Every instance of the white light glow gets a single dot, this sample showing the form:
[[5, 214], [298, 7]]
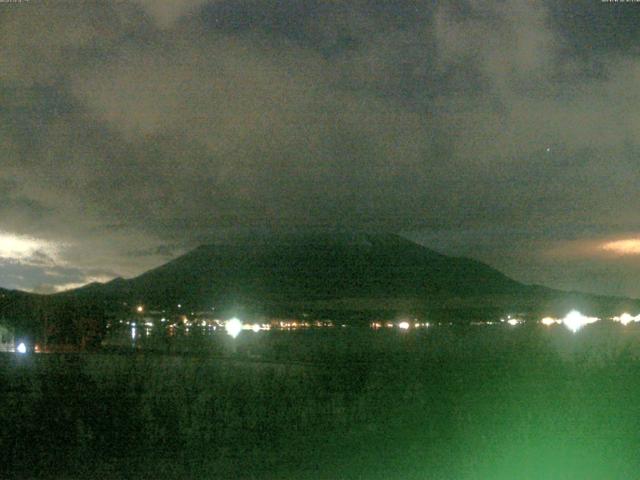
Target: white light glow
[[548, 321], [255, 327], [626, 319], [404, 325], [512, 320], [233, 327], [574, 320], [21, 348]]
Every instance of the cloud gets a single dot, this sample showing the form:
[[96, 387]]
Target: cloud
[[261, 137], [166, 12], [56, 288], [29, 250], [182, 121]]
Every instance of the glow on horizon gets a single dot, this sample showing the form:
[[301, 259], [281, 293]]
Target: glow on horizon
[[629, 246], [87, 280]]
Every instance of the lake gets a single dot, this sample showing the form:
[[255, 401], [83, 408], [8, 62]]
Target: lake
[[447, 402]]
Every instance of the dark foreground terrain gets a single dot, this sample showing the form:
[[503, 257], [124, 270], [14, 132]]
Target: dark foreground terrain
[[444, 403]]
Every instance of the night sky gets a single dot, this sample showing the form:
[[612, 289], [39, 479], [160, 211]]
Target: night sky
[[132, 131]]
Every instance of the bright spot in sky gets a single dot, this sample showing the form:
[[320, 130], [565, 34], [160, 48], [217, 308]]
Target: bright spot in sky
[[574, 320], [630, 246], [404, 325], [233, 327], [19, 247], [140, 309], [22, 348]]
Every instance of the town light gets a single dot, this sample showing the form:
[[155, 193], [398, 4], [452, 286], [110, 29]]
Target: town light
[[512, 320], [626, 318], [22, 348], [574, 320], [233, 327]]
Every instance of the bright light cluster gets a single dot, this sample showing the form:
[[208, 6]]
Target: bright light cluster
[[512, 320], [574, 320], [626, 319], [233, 327], [548, 321]]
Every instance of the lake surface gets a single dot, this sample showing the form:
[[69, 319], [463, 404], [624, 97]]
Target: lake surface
[[482, 402]]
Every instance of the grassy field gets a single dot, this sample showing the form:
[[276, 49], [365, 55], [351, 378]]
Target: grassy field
[[447, 403]]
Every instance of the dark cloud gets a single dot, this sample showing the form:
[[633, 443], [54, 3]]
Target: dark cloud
[[592, 29], [134, 130]]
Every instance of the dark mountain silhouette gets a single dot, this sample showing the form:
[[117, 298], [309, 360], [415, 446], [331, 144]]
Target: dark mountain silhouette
[[332, 272], [336, 274], [307, 268]]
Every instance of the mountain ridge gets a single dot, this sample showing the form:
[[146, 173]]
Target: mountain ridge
[[332, 275]]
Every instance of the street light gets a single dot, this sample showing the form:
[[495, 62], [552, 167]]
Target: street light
[[233, 327]]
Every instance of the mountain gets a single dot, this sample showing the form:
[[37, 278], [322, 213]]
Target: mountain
[[333, 272], [330, 275], [309, 268]]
